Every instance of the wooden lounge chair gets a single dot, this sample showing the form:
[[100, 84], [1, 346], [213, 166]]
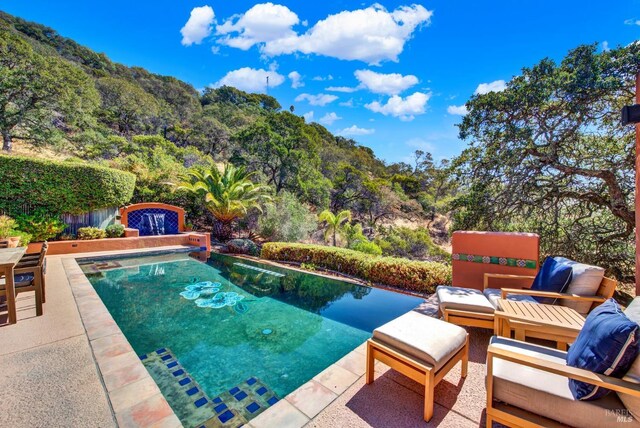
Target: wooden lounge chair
[[527, 386], [475, 309], [32, 259], [29, 278]]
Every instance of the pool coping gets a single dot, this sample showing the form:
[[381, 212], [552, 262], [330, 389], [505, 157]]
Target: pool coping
[[136, 399]]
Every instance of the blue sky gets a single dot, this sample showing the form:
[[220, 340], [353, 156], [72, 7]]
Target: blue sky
[[409, 67]]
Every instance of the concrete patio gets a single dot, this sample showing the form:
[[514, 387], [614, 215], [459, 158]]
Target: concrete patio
[[51, 358]]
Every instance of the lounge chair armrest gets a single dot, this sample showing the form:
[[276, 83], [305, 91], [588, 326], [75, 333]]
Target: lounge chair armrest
[[575, 373], [487, 276], [30, 269], [551, 294]]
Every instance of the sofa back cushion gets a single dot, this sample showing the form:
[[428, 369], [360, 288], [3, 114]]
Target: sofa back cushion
[[607, 344], [585, 281], [633, 375], [554, 275]]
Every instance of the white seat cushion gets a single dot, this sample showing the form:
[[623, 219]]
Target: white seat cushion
[[585, 281], [547, 394], [495, 294], [464, 299], [422, 337]]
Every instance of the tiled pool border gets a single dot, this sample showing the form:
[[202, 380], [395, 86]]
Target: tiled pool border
[[136, 399]]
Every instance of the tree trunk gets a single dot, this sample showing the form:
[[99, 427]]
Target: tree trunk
[[222, 231], [334, 237], [7, 145]]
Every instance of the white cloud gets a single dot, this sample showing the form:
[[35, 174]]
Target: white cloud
[[308, 116], [354, 130], [317, 100], [420, 144], [199, 25], [329, 118], [263, 23], [344, 89], [632, 21], [605, 46], [458, 110], [250, 79], [296, 80], [404, 108], [323, 78], [388, 84], [372, 34], [495, 86], [347, 103]]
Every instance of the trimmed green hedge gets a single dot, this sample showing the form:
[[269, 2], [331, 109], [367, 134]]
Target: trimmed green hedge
[[60, 187], [402, 273]]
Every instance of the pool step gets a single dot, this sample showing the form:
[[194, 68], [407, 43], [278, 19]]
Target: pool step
[[231, 409]]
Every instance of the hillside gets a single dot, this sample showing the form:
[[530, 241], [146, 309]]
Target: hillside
[[77, 103]]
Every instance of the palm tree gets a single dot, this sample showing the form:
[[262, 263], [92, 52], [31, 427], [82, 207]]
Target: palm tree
[[335, 223], [229, 194]]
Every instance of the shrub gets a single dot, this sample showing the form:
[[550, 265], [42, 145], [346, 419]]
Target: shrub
[[85, 233], [287, 219], [367, 247], [402, 273], [7, 226], [243, 246], [41, 227], [114, 230], [410, 243], [58, 187]]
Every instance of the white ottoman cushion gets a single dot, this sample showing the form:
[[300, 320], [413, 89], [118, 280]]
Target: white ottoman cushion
[[464, 299], [422, 337]]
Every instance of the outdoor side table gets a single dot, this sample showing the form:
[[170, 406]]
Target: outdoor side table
[[9, 257], [551, 322]]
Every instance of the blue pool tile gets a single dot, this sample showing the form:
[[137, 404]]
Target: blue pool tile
[[217, 400], [241, 395], [226, 416], [234, 390], [161, 351], [200, 402], [273, 400], [220, 407], [251, 381], [178, 372], [253, 407], [172, 365], [143, 357], [166, 357], [261, 390], [184, 381], [192, 391]]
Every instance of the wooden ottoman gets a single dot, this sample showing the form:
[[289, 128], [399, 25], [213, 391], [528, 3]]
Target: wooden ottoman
[[420, 347]]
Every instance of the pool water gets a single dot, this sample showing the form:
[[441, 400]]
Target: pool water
[[229, 319]]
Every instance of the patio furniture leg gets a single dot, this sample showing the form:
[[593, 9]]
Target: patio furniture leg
[[39, 295], [428, 395], [520, 334], [11, 296], [465, 359], [370, 364], [562, 346]]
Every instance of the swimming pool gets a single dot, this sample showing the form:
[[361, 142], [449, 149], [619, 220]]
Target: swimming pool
[[228, 338]]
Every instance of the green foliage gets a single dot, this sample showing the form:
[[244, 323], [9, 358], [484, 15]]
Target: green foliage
[[7, 226], [41, 95], [336, 224], [25, 238], [548, 155], [86, 233], [367, 247], [410, 243], [286, 219], [41, 227], [60, 187], [228, 194], [406, 274], [114, 231]]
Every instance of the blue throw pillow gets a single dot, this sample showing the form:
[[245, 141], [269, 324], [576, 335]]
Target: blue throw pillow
[[607, 344], [554, 275]]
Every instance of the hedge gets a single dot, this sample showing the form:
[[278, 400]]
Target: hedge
[[60, 187], [392, 271]]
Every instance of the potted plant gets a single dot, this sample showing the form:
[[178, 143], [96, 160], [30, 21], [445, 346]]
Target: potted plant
[[8, 231]]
